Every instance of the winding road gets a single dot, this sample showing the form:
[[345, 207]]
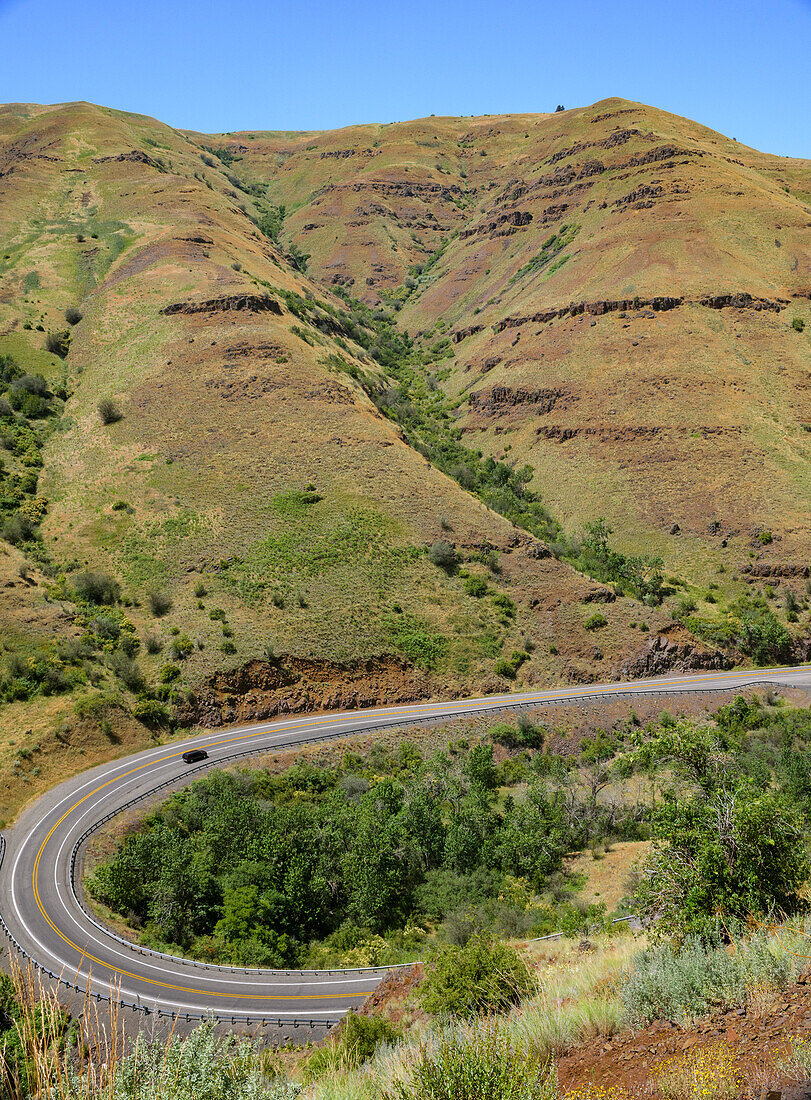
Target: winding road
[[44, 918]]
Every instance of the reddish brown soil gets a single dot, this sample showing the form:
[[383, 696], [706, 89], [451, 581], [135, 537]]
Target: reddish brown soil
[[759, 1039]]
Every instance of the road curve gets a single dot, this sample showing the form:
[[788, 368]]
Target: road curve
[[44, 918]]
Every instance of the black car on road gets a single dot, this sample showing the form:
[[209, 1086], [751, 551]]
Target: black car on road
[[193, 755]]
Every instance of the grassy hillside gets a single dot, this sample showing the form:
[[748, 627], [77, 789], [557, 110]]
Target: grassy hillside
[[198, 422], [278, 434], [678, 395]]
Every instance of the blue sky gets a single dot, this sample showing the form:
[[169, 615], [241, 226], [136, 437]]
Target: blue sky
[[741, 67]]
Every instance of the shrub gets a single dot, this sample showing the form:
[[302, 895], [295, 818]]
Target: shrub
[[476, 586], [151, 712], [596, 621], [18, 529], [508, 668], [200, 590], [73, 315], [126, 670], [153, 644], [108, 411], [182, 646], [670, 983], [525, 734], [128, 643], [357, 1040], [98, 588], [203, 1066], [442, 553], [481, 976], [228, 647], [476, 1064], [160, 603], [58, 343], [504, 604], [798, 324]]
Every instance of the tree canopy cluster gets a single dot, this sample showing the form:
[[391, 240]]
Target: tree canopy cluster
[[251, 867]]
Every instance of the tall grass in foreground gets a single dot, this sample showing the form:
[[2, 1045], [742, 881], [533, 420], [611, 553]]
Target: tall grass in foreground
[[46, 1056], [475, 1064], [578, 997]]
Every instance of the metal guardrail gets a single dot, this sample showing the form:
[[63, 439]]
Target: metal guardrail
[[260, 1018]]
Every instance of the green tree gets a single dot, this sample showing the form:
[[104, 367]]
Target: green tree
[[733, 853], [481, 767], [534, 837]]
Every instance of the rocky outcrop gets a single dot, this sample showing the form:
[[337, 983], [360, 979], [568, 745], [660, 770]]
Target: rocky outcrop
[[251, 303], [640, 196], [775, 569], [463, 333], [501, 399], [595, 309], [296, 685], [659, 303], [136, 156], [502, 226], [619, 137], [741, 300], [342, 154], [599, 595], [677, 653]]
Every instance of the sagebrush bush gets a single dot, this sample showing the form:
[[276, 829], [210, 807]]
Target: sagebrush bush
[[668, 983], [203, 1066], [126, 670], [18, 529], [58, 343], [96, 587], [160, 603], [441, 553]]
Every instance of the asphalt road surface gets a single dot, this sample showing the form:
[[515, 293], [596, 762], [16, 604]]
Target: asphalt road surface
[[44, 916]]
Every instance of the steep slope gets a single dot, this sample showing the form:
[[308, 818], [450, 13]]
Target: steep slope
[[215, 450], [620, 288]]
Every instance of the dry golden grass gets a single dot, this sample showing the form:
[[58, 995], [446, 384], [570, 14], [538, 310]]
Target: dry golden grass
[[607, 876]]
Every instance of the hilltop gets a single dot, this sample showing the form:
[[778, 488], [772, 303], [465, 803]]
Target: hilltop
[[280, 367]]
